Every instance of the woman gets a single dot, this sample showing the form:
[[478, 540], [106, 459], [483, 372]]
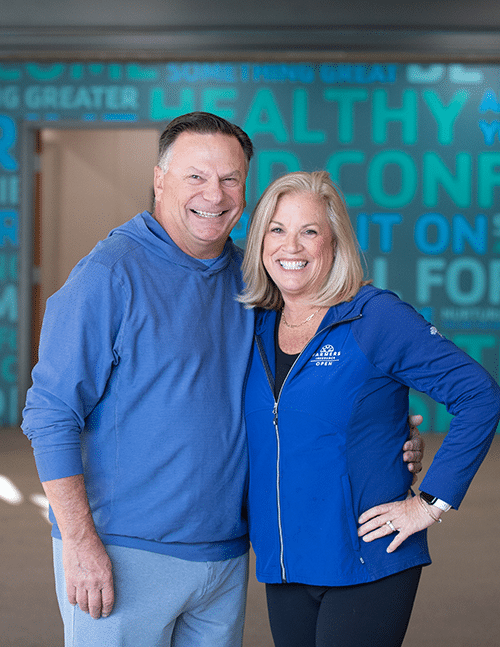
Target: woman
[[332, 354]]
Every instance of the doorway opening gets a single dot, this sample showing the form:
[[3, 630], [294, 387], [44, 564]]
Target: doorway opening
[[87, 182]]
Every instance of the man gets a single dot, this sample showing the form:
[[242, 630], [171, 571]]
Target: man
[[135, 410]]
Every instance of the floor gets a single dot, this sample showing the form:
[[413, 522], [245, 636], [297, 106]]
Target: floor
[[457, 603]]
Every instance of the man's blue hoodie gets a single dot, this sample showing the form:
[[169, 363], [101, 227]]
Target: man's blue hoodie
[[139, 387]]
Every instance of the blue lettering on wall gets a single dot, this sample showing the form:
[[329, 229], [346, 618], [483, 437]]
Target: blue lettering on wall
[[7, 140], [385, 223], [432, 233], [489, 131], [489, 102], [346, 73]]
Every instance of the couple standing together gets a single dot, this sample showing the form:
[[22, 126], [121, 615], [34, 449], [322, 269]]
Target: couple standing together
[[137, 418]]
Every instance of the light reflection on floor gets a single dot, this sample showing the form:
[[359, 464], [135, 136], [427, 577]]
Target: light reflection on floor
[[11, 494]]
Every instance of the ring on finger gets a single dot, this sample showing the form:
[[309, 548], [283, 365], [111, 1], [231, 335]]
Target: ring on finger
[[391, 526]]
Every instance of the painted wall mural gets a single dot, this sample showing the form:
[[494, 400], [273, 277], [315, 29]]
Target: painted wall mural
[[414, 148]]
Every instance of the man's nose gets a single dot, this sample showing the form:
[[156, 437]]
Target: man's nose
[[213, 192]]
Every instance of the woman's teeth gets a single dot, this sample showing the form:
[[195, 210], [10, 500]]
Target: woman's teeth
[[293, 265]]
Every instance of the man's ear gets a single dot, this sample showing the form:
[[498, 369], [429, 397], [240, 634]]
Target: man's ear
[[158, 181]]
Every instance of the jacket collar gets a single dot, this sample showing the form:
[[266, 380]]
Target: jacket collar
[[336, 314]]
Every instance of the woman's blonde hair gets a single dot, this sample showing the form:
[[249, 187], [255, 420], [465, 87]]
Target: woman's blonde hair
[[346, 274]]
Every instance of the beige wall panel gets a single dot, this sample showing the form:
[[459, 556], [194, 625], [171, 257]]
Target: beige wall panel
[[92, 181]]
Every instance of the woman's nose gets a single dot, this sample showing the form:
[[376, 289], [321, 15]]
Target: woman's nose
[[292, 242]]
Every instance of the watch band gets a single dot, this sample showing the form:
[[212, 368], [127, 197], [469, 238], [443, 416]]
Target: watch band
[[433, 500]]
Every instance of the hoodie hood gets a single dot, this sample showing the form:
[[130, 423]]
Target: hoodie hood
[[147, 232]]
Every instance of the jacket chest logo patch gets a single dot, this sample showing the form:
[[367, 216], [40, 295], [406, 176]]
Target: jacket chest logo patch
[[326, 356]]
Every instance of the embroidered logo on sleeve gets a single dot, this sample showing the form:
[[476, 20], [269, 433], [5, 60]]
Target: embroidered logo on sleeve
[[326, 356]]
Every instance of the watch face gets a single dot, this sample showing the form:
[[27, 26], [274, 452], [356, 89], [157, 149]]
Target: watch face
[[428, 498]]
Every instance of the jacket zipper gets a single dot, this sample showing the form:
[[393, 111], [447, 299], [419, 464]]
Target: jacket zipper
[[280, 528], [270, 380]]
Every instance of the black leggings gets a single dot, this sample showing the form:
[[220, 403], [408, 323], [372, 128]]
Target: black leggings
[[365, 615]]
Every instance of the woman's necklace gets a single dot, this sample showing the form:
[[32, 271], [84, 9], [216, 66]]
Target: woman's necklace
[[289, 325]]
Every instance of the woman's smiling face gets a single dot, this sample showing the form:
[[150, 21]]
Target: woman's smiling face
[[298, 248]]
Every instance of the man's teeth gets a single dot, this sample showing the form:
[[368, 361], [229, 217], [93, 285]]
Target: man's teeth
[[293, 265], [207, 214]]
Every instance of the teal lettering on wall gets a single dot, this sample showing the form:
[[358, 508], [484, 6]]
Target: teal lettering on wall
[[9, 73], [488, 178], [213, 97], [403, 193], [264, 116], [436, 175], [414, 148], [271, 161], [9, 97], [9, 189], [93, 97], [8, 303], [200, 72], [8, 338], [8, 405], [383, 115], [445, 116], [8, 368], [161, 112], [334, 166], [8, 267], [45, 72], [301, 132], [346, 100], [425, 73]]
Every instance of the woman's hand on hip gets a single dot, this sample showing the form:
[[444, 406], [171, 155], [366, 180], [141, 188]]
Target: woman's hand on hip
[[401, 518]]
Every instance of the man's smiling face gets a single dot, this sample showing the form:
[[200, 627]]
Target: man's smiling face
[[201, 195]]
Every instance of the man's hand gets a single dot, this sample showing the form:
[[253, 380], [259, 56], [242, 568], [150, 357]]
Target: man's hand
[[89, 578], [414, 447], [87, 567]]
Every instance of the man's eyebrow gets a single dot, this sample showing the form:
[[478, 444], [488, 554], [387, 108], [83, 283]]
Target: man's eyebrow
[[193, 170]]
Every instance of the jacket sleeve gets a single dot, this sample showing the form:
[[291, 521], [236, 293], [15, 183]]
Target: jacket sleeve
[[78, 348], [404, 346]]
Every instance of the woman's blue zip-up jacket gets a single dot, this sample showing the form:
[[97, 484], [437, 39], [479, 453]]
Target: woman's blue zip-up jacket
[[331, 446]]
